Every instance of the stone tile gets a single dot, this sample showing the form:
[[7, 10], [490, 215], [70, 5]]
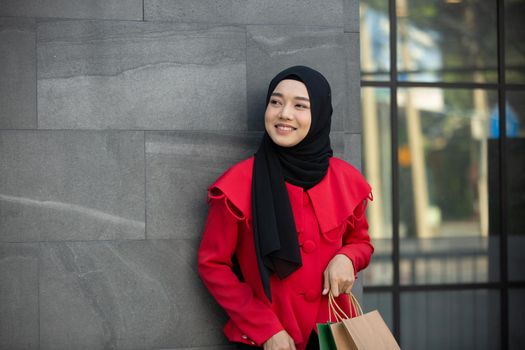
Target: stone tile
[[71, 185], [337, 142], [347, 147], [309, 12], [136, 75], [96, 9], [125, 295], [18, 72], [353, 121], [353, 150], [18, 296], [272, 49], [351, 16], [180, 168]]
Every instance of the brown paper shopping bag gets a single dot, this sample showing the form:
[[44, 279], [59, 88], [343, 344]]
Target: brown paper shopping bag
[[368, 331], [333, 334], [340, 336], [365, 331]]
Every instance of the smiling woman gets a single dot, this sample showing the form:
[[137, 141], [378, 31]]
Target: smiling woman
[[292, 216]]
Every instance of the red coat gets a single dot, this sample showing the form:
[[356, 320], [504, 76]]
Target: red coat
[[329, 219]]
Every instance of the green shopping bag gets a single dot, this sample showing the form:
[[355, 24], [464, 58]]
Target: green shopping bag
[[326, 340]]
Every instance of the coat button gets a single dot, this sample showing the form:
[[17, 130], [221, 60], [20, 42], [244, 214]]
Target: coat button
[[309, 246], [311, 295], [244, 336]]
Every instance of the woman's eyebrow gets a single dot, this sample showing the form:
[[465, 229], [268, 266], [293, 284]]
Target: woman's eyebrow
[[296, 97], [302, 98]]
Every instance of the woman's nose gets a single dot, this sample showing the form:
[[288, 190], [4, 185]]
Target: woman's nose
[[286, 112]]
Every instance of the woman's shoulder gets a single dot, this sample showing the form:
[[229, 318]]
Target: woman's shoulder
[[235, 186], [341, 195], [341, 168], [343, 179], [238, 173]]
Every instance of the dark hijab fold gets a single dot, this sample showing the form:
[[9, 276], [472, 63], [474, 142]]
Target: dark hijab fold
[[303, 165]]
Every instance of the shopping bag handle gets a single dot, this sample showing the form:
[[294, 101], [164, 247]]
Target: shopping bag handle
[[355, 304], [334, 308], [338, 312]]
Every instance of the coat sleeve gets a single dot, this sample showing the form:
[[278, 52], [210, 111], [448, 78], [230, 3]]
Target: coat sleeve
[[251, 315], [356, 241]]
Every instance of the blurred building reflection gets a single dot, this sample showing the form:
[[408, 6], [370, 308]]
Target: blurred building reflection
[[453, 190]]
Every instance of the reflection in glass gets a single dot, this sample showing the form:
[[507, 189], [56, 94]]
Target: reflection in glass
[[466, 319], [374, 37], [447, 40], [381, 302], [516, 319], [445, 187], [377, 168], [515, 149], [514, 43]]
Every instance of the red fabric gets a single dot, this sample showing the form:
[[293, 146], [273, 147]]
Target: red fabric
[[330, 220]]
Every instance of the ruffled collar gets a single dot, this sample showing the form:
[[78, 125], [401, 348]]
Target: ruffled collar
[[339, 195]]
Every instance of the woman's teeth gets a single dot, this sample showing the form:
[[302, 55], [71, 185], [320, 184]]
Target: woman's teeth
[[285, 128]]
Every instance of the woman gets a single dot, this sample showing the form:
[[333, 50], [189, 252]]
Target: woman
[[291, 217]]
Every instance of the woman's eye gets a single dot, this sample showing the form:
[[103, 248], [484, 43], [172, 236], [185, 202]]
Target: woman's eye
[[301, 106], [274, 102]]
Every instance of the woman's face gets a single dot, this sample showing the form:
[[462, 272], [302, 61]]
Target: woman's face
[[288, 118]]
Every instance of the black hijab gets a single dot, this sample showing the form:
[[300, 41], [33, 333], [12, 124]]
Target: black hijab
[[304, 165]]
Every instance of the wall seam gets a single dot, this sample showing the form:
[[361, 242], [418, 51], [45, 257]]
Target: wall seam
[[145, 185], [36, 72], [38, 291]]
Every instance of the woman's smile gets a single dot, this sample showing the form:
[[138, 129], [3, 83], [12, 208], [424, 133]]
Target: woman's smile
[[284, 129]]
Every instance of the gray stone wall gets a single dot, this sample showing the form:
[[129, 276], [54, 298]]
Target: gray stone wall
[[114, 118]]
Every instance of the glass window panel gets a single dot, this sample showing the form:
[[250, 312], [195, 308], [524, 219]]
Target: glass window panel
[[514, 43], [381, 302], [447, 40], [516, 319], [375, 41], [448, 186], [467, 319], [377, 169], [515, 130]]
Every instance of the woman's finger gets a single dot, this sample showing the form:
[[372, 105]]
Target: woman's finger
[[326, 283], [348, 288], [334, 287]]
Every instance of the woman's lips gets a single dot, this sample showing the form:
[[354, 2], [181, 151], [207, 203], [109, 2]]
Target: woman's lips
[[284, 129]]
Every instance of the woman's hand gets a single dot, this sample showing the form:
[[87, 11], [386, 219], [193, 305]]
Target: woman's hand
[[280, 341], [338, 275]]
